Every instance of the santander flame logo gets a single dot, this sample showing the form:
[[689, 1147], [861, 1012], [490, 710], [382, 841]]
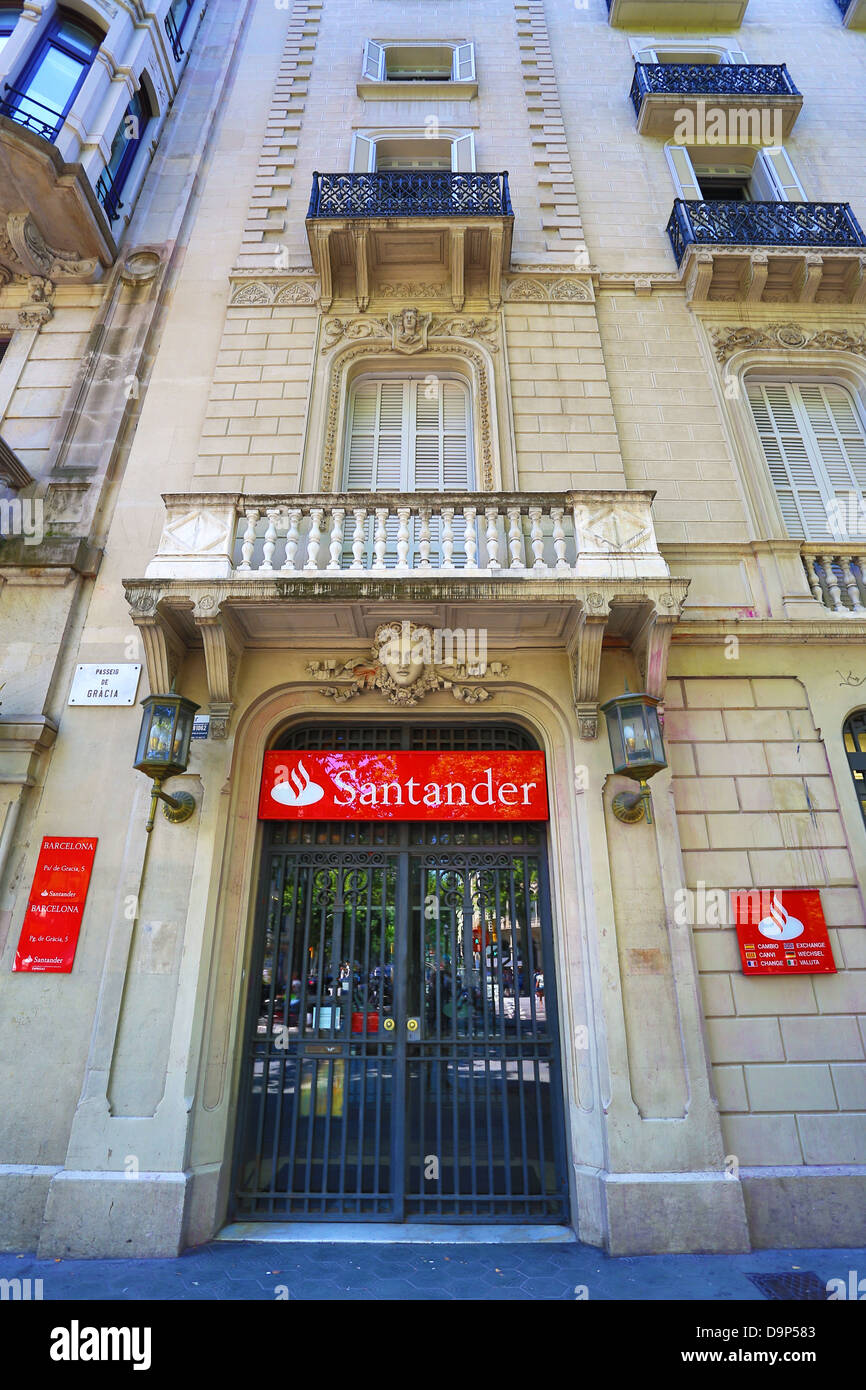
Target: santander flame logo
[[780, 925], [306, 792]]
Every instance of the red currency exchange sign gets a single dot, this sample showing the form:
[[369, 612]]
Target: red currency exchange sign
[[782, 932], [303, 785], [52, 922]]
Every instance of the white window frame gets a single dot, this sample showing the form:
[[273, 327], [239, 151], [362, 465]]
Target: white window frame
[[823, 483], [375, 58], [645, 50], [362, 156], [407, 455], [773, 166]]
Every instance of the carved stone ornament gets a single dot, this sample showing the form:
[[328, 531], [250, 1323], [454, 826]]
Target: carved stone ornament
[[260, 293], [785, 337], [409, 330], [567, 288], [403, 668], [412, 289], [26, 252]]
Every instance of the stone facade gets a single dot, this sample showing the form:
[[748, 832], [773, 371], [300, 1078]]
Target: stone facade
[[210, 363]]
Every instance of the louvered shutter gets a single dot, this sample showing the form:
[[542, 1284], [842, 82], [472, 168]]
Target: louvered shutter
[[363, 156], [814, 446], [783, 177], [409, 436], [464, 63], [685, 178], [374, 61]]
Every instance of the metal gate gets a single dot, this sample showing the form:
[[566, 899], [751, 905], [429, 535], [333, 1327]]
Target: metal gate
[[401, 1055]]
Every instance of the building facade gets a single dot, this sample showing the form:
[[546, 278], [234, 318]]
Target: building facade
[[367, 447]]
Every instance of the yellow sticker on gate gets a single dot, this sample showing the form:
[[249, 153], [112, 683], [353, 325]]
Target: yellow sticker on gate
[[389, 1025]]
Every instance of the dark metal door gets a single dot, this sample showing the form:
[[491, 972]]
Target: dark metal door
[[401, 1057]]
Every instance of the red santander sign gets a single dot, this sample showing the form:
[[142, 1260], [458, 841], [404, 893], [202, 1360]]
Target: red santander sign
[[782, 932], [52, 922], [303, 785]]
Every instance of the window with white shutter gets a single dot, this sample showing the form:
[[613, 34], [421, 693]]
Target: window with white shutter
[[814, 444], [410, 434]]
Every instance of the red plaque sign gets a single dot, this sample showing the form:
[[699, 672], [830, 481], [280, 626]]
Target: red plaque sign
[[302, 785], [49, 934], [782, 932]]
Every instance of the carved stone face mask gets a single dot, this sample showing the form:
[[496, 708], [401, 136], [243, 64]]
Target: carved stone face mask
[[401, 658]]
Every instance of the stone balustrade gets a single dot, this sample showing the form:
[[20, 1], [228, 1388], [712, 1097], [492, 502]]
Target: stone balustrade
[[837, 576], [604, 535]]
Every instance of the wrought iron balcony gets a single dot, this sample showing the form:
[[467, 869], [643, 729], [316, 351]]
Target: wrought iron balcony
[[46, 125], [837, 576], [108, 196], [450, 232], [800, 252], [762, 224], [173, 37], [676, 14], [662, 92], [410, 193]]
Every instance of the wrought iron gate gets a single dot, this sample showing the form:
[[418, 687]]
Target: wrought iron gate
[[401, 1057]]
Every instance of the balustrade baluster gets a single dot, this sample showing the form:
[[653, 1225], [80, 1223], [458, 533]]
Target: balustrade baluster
[[470, 541], [492, 537], [447, 515], [381, 539], [832, 584], [562, 565], [537, 538], [270, 539], [360, 515], [403, 514], [293, 537], [424, 538], [813, 577], [249, 541], [336, 547], [515, 539], [849, 579], [314, 539]]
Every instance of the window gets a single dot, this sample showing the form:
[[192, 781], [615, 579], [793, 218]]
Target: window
[[175, 23], [668, 54], [412, 151], [54, 76], [124, 148], [702, 173], [406, 435], [452, 62], [9, 15], [815, 448], [854, 736]]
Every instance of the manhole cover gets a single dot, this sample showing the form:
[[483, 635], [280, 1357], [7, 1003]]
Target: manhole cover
[[802, 1287]]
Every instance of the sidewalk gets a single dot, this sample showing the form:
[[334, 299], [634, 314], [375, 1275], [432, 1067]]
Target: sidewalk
[[229, 1270]]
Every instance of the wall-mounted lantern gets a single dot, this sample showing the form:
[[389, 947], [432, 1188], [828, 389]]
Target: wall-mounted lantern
[[637, 749], [163, 751]]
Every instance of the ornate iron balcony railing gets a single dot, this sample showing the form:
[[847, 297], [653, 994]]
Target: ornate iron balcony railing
[[11, 105], [108, 196], [762, 224], [410, 193], [173, 35], [711, 79]]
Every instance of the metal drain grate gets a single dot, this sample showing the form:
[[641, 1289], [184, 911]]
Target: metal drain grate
[[802, 1287]]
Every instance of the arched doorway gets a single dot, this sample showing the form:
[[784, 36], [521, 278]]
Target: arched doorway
[[401, 1052]]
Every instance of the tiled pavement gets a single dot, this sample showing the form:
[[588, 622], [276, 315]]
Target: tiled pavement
[[250, 1270]]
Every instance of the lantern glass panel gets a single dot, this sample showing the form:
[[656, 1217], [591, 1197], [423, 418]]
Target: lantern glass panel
[[183, 734], [635, 734], [160, 734]]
